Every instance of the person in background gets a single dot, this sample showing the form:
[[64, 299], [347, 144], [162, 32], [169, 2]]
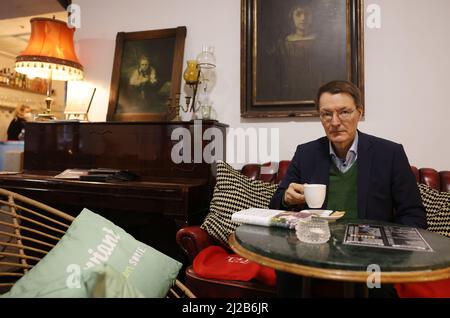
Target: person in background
[[297, 55], [143, 92], [366, 176], [16, 129], [144, 74]]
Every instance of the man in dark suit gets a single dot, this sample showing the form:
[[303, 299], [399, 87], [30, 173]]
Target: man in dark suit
[[366, 176]]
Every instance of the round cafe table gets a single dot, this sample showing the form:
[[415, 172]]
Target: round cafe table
[[280, 249]]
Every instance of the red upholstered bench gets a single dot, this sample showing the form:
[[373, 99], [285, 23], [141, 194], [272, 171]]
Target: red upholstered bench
[[193, 239]]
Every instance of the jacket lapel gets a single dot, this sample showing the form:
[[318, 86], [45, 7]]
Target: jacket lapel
[[322, 171], [365, 155]]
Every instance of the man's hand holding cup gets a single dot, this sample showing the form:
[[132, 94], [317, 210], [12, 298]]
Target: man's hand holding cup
[[294, 194], [312, 194]]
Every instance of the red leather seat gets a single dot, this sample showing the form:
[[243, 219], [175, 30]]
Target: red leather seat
[[193, 239]]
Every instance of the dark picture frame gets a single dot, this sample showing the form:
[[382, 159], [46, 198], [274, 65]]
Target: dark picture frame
[[146, 74], [290, 48]]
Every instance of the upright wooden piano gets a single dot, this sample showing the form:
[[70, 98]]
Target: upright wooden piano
[[166, 196]]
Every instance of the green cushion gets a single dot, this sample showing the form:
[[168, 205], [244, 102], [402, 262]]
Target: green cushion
[[102, 281], [72, 266]]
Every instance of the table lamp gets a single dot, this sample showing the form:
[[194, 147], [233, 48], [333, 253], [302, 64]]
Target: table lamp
[[50, 54]]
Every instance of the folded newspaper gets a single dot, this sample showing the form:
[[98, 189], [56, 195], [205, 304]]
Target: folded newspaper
[[267, 217]]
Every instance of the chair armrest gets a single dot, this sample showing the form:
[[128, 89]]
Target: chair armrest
[[193, 239]]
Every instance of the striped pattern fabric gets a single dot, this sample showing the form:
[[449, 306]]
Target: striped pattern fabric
[[437, 205], [234, 192]]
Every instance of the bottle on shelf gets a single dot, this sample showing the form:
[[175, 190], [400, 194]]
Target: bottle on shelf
[[8, 77], [12, 80], [27, 82], [20, 80], [16, 79], [4, 75]]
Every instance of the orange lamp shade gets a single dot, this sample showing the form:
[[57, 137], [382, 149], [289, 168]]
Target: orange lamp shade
[[50, 52]]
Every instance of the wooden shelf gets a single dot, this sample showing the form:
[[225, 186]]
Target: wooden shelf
[[7, 107], [21, 89]]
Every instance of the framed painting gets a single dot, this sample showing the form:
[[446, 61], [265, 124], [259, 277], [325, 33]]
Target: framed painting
[[290, 48], [146, 74]]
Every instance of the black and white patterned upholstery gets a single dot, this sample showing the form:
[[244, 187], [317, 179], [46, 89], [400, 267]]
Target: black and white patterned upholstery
[[437, 205], [233, 192]]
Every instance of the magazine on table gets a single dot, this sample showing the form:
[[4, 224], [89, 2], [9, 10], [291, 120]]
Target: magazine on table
[[386, 236], [267, 217]]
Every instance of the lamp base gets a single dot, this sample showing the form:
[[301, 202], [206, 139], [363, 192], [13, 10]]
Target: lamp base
[[45, 117]]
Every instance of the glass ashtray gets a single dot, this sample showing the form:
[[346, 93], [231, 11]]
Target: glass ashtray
[[313, 230]]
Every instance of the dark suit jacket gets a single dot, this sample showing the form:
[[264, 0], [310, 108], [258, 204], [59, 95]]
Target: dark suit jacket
[[387, 189]]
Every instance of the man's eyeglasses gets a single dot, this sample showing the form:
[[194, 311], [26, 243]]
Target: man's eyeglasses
[[343, 115]]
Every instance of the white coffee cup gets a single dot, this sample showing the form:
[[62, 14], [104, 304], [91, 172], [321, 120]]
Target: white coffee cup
[[315, 195]]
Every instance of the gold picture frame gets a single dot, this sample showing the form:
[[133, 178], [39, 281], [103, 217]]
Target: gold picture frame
[[290, 48]]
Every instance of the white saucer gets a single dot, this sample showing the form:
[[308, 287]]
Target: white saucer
[[326, 214]]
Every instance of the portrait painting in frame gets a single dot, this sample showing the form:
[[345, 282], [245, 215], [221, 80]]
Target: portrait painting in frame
[[290, 48], [146, 74]]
